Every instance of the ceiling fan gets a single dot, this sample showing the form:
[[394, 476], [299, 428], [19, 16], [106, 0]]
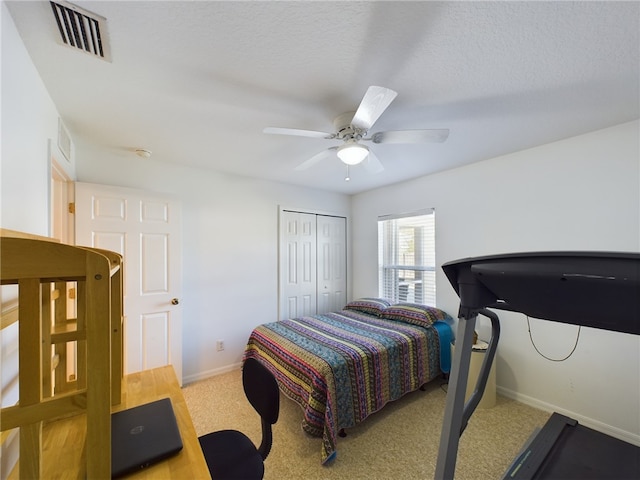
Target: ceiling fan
[[353, 127]]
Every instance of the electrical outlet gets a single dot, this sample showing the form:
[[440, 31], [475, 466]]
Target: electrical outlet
[[220, 345]]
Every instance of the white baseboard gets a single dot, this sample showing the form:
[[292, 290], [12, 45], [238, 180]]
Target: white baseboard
[[615, 432], [210, 373]]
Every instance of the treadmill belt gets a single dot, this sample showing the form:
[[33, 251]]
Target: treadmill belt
[[582, 453]]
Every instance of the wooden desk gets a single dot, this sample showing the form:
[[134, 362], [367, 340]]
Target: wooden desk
[[63, 440]]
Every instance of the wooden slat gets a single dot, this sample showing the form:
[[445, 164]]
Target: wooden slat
[[4, 436], [60, 339], [46, 318], [117, 343], [115, 259], [67, 328], [81, 354], [50, 409], [24, 258], [5, 232], [31, 450], [67, 331], [9, 316], [30, 373], [98, 325]]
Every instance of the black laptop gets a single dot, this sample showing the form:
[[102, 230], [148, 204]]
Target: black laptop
[[142, 436]]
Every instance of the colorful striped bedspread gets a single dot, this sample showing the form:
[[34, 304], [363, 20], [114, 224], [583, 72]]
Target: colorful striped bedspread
[[343, 366]]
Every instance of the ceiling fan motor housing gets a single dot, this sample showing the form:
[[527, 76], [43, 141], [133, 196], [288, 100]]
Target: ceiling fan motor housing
[[344, 129]]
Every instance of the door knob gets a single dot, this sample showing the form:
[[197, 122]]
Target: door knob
[[175, 301]]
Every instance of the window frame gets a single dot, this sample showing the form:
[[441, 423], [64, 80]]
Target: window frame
[[413, 278]]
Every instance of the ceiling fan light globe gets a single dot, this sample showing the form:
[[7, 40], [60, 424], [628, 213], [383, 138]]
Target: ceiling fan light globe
[[352, 154]]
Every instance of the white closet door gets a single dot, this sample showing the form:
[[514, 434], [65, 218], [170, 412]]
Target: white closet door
[[313, 273], [332, 262], [297, 264]]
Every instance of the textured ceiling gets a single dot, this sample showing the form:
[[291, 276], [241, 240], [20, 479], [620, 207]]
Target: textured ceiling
[[196, 82]]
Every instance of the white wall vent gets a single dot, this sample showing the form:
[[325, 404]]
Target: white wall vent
[[82, 29], [65, 144]]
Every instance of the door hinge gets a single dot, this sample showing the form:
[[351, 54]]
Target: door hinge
[[72, 207]]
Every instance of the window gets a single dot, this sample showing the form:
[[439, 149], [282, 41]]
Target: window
[[407, 257]]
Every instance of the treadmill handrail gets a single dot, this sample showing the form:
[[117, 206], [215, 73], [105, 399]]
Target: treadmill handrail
[[485, 369]]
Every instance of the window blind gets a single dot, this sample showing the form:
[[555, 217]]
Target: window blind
[[407, 257]]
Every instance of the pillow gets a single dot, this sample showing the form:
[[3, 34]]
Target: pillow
[[372, 306], [415, 313]]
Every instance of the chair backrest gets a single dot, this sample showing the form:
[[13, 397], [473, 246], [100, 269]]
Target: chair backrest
[[261, 389]]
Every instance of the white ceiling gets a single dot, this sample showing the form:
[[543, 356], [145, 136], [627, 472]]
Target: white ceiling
[[196, 82]]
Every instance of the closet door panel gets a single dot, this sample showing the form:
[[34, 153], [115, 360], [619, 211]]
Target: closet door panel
[[313, 274], [297, 264], [332, 261]]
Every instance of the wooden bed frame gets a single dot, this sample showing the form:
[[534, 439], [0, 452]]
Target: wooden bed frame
[[42, 269]]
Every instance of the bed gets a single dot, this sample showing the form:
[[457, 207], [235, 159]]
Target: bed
[[341, 367]]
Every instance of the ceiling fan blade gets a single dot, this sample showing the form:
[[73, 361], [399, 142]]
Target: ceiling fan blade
[[298, 132], [373, 104], [315, 159], [411, 136], [372, 164]]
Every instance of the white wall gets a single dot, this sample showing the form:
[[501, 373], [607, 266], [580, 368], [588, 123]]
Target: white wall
[[581, 193], [230, 239], [29, 120]]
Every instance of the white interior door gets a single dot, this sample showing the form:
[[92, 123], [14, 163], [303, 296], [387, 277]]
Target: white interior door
[[332, 262], [297, 264], [145, 229]]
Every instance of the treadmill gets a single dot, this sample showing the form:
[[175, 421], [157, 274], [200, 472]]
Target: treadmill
[[567, 287]]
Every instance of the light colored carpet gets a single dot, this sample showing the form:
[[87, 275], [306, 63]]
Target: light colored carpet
[[399, 442]]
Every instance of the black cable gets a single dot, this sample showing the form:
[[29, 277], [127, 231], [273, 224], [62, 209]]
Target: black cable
[[549, 358]]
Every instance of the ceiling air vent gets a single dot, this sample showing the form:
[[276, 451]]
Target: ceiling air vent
[[81, 29]]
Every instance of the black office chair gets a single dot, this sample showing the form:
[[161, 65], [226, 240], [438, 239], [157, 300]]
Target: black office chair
[[231, 454]]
